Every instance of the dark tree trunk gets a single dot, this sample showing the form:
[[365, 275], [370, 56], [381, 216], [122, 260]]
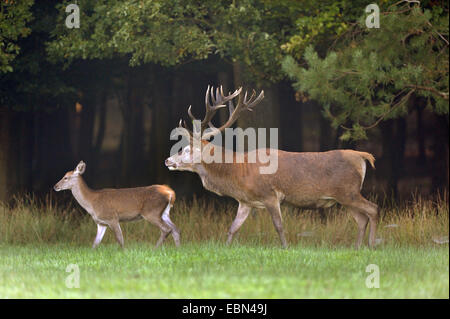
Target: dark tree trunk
[[394, 141], [224, 79], [160, 126], [133, 132], [16, 151], [422, 158], [102, 123], [54, 155], [237, 74], [440, 173], [86, 130], [25, 151], [291, 121], [325, 137], [5, 118], [266, 114]]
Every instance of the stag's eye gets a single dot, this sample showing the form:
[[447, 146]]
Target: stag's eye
[[66, 178]]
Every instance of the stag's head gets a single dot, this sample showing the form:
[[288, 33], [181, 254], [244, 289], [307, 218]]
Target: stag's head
[[196, 139], [70, 179]]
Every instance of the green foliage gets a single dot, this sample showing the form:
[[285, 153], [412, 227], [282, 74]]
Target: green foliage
[[34, 79], [319, 23], [146, 30], [372, 74], [173, 32], [14, 16]]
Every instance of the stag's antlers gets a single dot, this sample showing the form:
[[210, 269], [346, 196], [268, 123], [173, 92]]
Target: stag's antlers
[[218, 101]]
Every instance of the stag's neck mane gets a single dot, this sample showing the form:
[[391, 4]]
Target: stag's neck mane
[[220, 177]]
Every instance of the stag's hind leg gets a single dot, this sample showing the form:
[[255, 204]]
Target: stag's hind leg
[[275, 212], [367, 208], [362, 220], [372, 212]]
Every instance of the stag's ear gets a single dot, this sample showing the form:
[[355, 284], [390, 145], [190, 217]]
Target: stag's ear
[[81, 167]]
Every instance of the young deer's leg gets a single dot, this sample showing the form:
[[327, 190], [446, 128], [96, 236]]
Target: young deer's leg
[[175, 232], [241, 216], [275, 211], [362, 221], [115, 226], [100, 233], [162, 238], [165, 231], [157, 221]]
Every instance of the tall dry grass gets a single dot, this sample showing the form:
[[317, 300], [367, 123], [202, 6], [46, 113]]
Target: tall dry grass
[[418, 222]]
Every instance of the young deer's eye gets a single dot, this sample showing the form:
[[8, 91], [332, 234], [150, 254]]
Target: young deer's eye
[[66, 178]]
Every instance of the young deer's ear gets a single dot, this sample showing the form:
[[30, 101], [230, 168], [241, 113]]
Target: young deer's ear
[[81, 167]]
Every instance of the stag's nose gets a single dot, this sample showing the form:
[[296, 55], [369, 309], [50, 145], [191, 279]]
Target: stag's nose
[[56, 188], [167, 162]]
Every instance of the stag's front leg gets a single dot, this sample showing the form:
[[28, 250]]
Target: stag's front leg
[[100, 233], [241, 216]]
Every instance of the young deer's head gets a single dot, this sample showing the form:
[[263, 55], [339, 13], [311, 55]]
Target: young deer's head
[[190, 155], [70, 179]]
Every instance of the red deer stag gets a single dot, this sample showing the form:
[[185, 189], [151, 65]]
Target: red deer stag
[[306, 179]]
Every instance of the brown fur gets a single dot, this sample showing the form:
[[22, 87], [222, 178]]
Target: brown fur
[[306, 179], [110, 206], [310, 179]]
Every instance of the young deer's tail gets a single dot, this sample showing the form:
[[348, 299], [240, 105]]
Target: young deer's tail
[[166, 213], [171, 197]]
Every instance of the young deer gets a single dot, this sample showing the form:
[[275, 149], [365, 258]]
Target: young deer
[[307, 179], [108, 207]]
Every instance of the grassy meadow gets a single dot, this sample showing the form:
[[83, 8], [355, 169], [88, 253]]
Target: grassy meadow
[[39, 240]]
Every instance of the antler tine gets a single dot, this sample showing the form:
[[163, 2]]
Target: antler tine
[[249, 103], [231, 106], [216, 99], [190, 113], [242, 105], [186, 132], [211, 92], [207, 98]]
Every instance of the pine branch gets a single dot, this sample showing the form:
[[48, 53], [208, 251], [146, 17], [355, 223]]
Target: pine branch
[[430, 89]]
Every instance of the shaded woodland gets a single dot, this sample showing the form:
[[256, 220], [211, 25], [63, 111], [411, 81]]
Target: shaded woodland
[[117, 117]]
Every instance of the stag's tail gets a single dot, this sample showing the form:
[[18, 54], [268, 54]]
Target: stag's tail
[[367, 156]]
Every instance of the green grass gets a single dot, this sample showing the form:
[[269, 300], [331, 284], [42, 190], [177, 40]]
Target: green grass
[[39, 240], [212, 270]]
